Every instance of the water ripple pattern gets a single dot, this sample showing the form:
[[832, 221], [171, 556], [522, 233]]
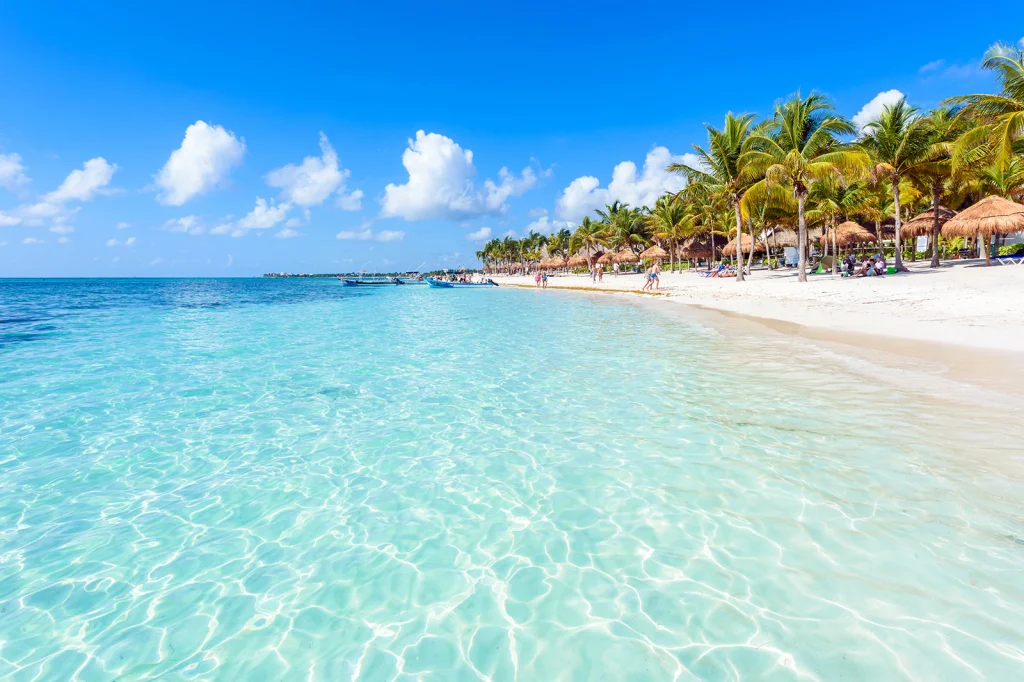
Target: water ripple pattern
[[290, 480]]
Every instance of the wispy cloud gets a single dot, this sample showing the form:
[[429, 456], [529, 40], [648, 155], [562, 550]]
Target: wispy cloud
[[932, 66]]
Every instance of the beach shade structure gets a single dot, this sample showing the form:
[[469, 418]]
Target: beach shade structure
[[990, 216], [730, 248], [626, 256], [921, 225], [576, 261], [555, 263], [606, 259], [697, 248], [655, 252], [848, 234]]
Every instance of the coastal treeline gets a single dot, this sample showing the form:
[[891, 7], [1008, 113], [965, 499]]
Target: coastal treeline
[[807, 173]]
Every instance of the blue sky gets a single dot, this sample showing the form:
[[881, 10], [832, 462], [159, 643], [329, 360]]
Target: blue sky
[[161, 139]]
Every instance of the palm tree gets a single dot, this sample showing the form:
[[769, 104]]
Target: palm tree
[[944, 127], [670, 221], [588, 236], [833, 199], [999, 132], [900, 144], [1007, 181], [628, 229], [720, 170], [558, 243], [801, 147]]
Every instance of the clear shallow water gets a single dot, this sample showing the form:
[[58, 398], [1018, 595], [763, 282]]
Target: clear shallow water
[[290, 480]]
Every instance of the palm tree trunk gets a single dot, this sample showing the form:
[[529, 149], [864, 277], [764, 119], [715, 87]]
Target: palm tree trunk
[[739, 241], [835, 249], [801, 247], [750, 257], [935, 225], [899, 222], [710, 260]]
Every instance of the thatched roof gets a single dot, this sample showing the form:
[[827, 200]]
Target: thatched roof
[[991, 215], [627, 256], [848, 233], [697, 248], [730, 248], [576, 261], [654, 252], [606, 259], [922, 224], [551, 263]]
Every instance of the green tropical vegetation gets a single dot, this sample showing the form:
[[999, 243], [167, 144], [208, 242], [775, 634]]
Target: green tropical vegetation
[[798, 176]]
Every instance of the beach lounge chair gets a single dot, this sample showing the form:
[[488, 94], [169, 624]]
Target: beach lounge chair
[[1015, 259], [711, 273]]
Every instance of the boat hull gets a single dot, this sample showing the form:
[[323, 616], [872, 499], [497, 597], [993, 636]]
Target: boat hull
[[440, 284]]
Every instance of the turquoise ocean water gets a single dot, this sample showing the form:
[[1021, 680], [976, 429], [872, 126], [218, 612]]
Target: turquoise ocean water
[[292, 480]]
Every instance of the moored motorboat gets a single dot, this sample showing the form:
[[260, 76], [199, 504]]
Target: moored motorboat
[[441, 284], [372, 281]]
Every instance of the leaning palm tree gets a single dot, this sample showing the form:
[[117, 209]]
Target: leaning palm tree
[[1006, 181], [900, 144], [588, 236], [719, 170], [999, 132], [801, 147]]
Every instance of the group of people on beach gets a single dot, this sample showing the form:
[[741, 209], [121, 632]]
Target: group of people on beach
[[875, 265], [541, 278]]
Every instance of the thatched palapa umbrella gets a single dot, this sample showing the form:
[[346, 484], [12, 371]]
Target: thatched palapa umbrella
[[627, 256], [655, 252], [921, 225], [606, 259], [576, 261], [848, 233], [730, 248], [992, 215], [697, 248]]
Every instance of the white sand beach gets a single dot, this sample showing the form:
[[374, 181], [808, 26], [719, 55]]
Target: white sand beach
[[962, 303]]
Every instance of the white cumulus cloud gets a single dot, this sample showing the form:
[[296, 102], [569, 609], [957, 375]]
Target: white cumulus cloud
[[8, 220], [628, 185], [62, 228], [12, 173], [287, 233], [32, 240], [481, 235], [365, 233], [204, 159], [82, 184], [126, 242], [264, 214], [870, 111], [315, 179], [441, 184], [189, 224]]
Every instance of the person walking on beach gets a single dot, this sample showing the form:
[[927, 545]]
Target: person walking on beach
[[655, 272], [648, 278], [536, 278], [615, 270], [600, 274], [593, 273], [544, 280]]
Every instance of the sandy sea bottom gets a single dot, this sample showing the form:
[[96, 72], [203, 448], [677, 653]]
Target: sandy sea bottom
[[284, 480]]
